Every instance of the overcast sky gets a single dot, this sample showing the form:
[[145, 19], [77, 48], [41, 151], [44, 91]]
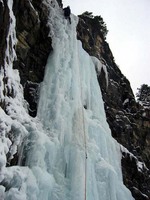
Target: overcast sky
[[128, 22]]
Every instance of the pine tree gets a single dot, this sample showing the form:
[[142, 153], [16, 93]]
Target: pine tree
[[97, 22], [143, 95]]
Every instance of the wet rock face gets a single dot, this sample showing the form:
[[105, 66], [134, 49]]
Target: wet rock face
[[139, 177], [31, 94], [33, 46], [4, 24], [124, 114]]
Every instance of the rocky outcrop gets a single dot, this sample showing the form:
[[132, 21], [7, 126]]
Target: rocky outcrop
[[136, 176], [33, 46], [124, 115]]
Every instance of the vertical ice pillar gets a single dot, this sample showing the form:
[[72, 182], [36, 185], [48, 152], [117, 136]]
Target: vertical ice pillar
[[71, 110]]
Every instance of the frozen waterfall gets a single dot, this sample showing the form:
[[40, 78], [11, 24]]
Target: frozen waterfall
[[78, 156], [70, 153]]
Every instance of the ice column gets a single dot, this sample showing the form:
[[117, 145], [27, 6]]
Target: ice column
[[72, 112]]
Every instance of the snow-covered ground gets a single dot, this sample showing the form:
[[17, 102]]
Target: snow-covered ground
[[68, 149]]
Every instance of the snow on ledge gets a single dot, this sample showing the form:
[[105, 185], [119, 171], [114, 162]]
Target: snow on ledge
[[140, 165]]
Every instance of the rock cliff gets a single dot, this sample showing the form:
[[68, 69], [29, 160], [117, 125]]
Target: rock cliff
[[129, 121], [124, 115]]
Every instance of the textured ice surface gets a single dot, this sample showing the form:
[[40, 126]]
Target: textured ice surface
[[70, 153], [72, 113]]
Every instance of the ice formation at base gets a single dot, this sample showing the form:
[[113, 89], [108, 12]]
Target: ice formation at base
[[68, 150]]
